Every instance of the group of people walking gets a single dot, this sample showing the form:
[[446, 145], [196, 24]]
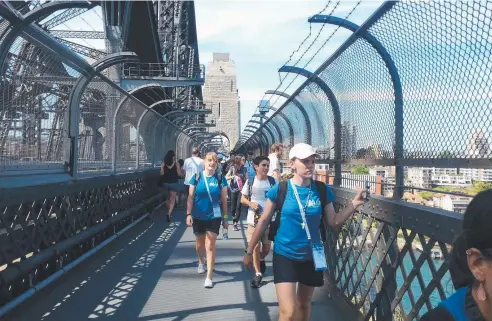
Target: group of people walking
[[300, 206], [292, 213]]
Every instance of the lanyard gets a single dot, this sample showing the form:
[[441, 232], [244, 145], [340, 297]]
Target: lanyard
[[302, 209], [206, 185]]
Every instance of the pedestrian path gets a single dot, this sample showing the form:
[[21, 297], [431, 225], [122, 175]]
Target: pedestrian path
[[150, 274]]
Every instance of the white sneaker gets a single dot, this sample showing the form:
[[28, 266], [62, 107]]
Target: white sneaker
[[201, 268], [208, 284]]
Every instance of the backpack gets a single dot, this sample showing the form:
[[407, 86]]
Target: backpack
[[279, 202], [217, 175], [272, 182]]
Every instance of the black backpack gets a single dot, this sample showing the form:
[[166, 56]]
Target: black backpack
[[279, 202], [272, 182]]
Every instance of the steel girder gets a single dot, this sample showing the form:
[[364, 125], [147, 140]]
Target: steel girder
[[301, 109], [363, 33], [78, 34], [178, 37], [22, 25]]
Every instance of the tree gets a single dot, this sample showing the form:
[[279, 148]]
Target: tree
[[360, 170]]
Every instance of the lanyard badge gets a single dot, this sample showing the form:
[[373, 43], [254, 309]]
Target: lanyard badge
[[216, 208], [317, 249]]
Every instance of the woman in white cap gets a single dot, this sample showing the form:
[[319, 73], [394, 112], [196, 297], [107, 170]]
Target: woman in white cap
[[298, 255]]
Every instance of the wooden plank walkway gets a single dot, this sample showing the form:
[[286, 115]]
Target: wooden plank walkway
[[149, 274]]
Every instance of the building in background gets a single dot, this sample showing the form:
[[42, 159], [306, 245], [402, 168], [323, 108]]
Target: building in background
[[221, 95]]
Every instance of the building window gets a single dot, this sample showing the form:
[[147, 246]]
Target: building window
[[232, 86], [219, 110]]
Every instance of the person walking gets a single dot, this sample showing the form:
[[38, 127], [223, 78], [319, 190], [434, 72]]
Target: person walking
[[170, 173], [298, 255], [191, 166], [254, 196], [276, 151], [207, 209], [237, 176]]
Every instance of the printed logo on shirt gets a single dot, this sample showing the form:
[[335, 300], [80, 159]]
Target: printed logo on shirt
[[313, 203], [213, 184]]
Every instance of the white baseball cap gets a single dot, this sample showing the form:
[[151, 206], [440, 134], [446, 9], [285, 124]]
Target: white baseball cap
[[302, 151]]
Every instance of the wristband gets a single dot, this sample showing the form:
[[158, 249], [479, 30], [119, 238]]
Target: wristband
[[226, 217], [188, 214], [246, 251]]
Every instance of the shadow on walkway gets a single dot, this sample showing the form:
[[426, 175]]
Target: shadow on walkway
[[150, 274]]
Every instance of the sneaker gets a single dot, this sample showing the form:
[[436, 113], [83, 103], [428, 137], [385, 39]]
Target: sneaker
[[256, 282], [262, 266], [202, 268], [208, 284], [235, 227]]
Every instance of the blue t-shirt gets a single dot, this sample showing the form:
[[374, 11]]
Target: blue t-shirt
[[250, 168], [203, 208], [291, 240]]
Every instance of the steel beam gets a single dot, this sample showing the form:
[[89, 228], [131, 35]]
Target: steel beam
[[76, 34], [38, 37], [76, 96]]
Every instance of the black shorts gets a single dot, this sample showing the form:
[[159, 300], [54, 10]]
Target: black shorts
[[292, 271], [200, 227]]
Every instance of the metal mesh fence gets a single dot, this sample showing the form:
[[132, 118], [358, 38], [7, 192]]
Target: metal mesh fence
[[363, 90], [116, 131], [33, 112], [318, 108], [443, 59]]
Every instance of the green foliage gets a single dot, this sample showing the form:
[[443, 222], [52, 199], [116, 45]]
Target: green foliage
[[360, 170], [479, 187], [426, 195]]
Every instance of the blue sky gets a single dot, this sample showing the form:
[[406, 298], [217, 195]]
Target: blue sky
[[261, 35]]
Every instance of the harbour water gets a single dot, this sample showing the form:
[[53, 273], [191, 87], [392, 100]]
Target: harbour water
[[415, 286]]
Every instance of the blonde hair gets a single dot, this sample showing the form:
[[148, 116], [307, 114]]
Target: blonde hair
[[276, 147], [211, 155]]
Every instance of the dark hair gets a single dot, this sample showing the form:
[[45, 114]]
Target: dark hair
[[236, 162], [259, 159], [476, 233], [181, 162], [168, 159]]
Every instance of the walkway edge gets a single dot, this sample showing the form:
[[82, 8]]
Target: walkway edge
[[29, 293]]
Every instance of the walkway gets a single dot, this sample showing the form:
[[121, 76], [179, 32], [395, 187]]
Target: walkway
[[150, 274]]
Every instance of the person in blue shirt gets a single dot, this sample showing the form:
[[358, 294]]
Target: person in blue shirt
[[296, 270], [470, 267], [207, 208]]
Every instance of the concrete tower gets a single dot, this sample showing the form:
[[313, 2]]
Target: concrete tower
[[221, 95]]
